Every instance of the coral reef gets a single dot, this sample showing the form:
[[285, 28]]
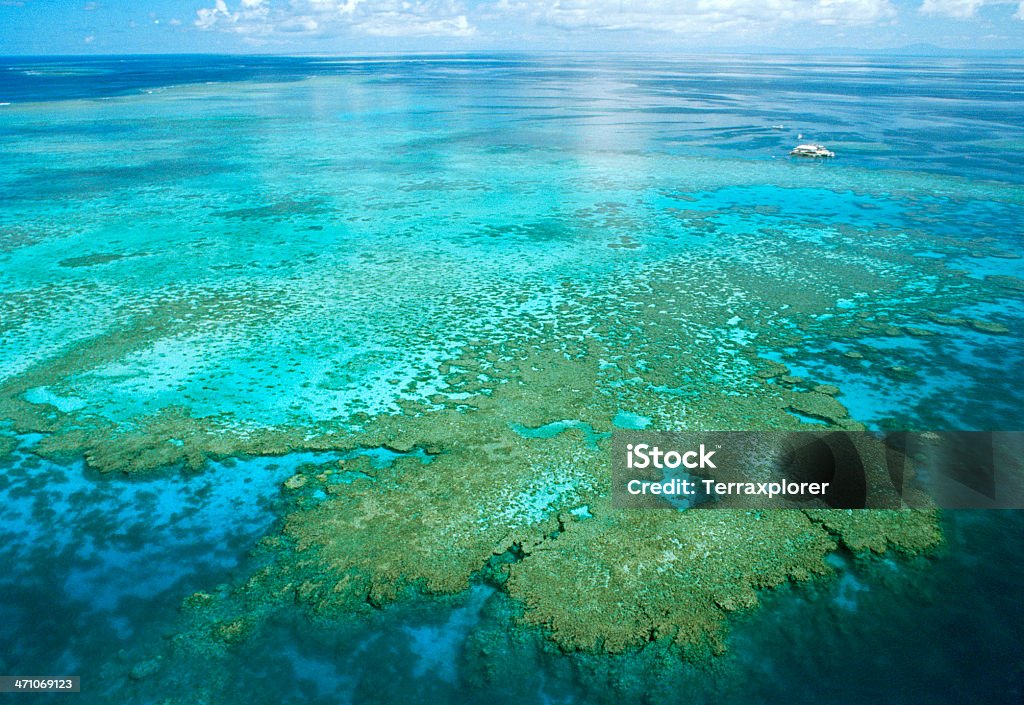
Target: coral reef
[[496, 429]]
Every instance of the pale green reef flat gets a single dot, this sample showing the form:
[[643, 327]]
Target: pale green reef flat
[[196, 275]]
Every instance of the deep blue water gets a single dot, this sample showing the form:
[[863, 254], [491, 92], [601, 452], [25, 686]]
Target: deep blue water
[[956, 116]]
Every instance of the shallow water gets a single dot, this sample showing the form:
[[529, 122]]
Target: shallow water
[[296, 199]]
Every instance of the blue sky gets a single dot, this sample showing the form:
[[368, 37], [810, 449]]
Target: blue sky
[[359, 26]]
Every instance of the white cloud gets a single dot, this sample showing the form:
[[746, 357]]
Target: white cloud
[[694, 17], [951, 8], [300, 25], [398, 25], [964, 9], [746, 20], [208, 17], [708, 16], [392, 18]]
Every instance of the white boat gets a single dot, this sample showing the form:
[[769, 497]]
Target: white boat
[[811, 150]]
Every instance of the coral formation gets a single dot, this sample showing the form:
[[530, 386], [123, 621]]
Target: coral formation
[[496, 425]]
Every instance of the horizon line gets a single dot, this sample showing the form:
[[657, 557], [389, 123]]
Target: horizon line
[[913, 50]]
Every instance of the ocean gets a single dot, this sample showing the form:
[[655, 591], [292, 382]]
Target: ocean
[[309, 364]]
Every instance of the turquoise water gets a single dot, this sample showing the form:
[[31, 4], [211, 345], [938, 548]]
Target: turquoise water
[[299, 196], [302, 244]]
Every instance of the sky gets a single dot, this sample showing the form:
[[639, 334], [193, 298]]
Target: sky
[[385, 26]]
